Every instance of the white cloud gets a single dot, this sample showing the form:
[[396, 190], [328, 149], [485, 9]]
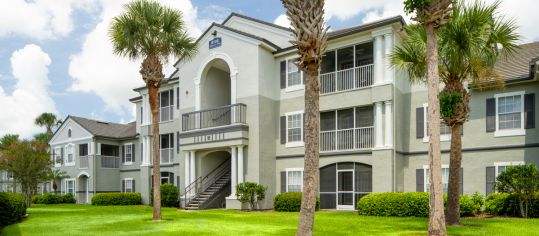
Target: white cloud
[[30, 96], [282, 20], [346, 9], [39, 19]]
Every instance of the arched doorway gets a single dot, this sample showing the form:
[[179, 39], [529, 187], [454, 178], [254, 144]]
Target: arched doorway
[[83, 184], [215, 85], [343, 184]]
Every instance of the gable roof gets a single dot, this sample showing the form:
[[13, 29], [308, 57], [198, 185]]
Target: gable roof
[[521, 64], [106, 129], [255, 20]]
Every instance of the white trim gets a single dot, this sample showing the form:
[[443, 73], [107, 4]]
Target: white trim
[[72, 146], [231, 66], [83, 173], [57, 152], [64, 190], [297, 87], [293, 170], [510, 132], [125, 186], [71, 140], [295, 143], [128, 163], [271, 29], [506, 163], [425, 177], [65, 124], [443, 137]]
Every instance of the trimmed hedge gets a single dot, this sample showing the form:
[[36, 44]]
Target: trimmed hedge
[[394, 204], [469, 206], [12, 208], [290, 201], [505, 204], [169, 195], [109, 199], [51, 198]]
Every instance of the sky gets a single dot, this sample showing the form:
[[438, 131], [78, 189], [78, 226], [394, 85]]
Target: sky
[[55, 55]]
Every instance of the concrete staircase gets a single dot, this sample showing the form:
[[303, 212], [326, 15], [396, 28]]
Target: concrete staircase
[[205, 198]]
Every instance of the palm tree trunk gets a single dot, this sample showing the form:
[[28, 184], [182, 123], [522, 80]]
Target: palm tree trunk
[[453, 191], [436, 211], [312, 155], [156, 180]]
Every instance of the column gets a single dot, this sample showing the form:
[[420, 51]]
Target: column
[[187, 176], [192, 164], [388, 124], [234, 174], [92, 148], [378, 125], [197, 93], [378, 60], [388, 46], [240, 164], [233, 78]]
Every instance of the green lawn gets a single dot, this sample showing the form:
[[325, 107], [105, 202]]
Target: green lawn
[[136, 220]]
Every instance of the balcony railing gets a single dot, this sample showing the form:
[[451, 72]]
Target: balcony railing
[[83, 162], [342, 80], [167, 155], [110, 162], [347, 139], [166, 113], [215, 117]]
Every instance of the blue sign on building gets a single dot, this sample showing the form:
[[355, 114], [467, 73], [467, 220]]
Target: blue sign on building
[[215, 43]]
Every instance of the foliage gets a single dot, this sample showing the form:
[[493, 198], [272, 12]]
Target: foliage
[[505, 204], [478, 199], [7, 140], [290, 201], [49, 121], [12, 208], [495, 203], [51, 198], [29, 162], [251, 193], [449, 102], [42, 137], [108, 199], [468, 207], [394, 204], [522, 181], [411, 6], [169, 195], [56, 175]]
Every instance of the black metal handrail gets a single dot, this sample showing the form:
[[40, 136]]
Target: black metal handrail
[[200, 184], [214, 117]]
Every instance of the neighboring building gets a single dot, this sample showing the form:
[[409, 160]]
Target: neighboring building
[[234, 113]]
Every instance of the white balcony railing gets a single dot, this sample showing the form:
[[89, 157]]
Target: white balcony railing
[[342, 80], [347, 139], [166, 113], [110, 162], [84, 162], [215, 117], [167, 155]]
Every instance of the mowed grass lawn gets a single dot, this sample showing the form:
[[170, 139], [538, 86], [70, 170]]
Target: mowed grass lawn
[[136, 220]]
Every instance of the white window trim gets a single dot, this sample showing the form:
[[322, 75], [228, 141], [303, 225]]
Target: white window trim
[[57, 152], [64, 189], [425, 177], [171, 106], [297, 87], [128, 163], [293, 170], [506, 163], [296, 143], [66, 163], [443, 137], [510, 132], [125, 186]]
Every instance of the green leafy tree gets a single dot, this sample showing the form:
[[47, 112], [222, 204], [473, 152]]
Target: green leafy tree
[[251, 193], [468, 50], [521, 180], [29, 162], [152, 32], [7, 140], [42, 137], [49, 121], [56, 175]]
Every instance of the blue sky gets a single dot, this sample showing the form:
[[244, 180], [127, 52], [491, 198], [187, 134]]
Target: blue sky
[[55, 55]]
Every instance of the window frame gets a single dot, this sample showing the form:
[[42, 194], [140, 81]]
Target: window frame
[[65, 189], [131, 158], [69, 147], [130, 185], [510, 132], [443, 137], [426, 177], [57, 156], [288, 170], [170, 105], [505, 164], [300, 143], [301, 85]]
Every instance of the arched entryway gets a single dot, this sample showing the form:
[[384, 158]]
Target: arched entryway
[[83, 185], [215, 85], [343, 184]]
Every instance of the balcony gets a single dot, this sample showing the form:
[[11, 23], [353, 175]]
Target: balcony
[[110, 162], [84, 162], [347, 139], [215, 117], [342, 80]]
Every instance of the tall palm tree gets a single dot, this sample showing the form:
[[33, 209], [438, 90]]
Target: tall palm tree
[[468, 50], [49, 121], [307, 21], [432, 15], [56, 175], [152, 32]]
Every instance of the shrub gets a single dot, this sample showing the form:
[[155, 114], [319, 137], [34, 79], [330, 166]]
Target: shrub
[[290, 201], [505, 204], [521, 181], [250, 193], [478, 199], [468, 207], [169, 195], [494, 203], [394, 204], [50, 198], [12, 208], [106, 199]]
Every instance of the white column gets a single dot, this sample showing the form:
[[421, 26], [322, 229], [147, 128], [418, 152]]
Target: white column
[[388, 46], [233, 78], [187, 175], [378, 125], [192, 164], [388, 124], [240, 164], [234, 174], [92, 148], [378, 60], [147, 147]]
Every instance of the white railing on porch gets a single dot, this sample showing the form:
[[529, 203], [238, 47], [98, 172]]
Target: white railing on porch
[[167, 155], [84, 162], [110, 162], [342, 80], [347, 139]]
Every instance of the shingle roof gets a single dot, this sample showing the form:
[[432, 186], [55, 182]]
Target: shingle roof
[[107, 129], [517, 66]]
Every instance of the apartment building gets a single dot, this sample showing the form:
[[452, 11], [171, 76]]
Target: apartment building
[[235, 112]]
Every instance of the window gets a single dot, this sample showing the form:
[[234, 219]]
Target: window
[[83, 149], [69, 133], [57, 155], [166, 105], [509, 114], [445, 177], [70, 159], [294, 77], [167, 178], [294, 129], [69, 186], [445, 131], [502, 166], [294, 180], [167, 148], [128, 149], [128, 185], [110, 150], [347, 129]]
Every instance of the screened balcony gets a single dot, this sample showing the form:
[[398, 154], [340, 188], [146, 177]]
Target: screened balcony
[[347, 68], [110, 156], [215, 117], [347, 129]]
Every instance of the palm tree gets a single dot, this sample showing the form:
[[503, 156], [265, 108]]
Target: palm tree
[[307, 21], [432, 15], [152, 32], [56, 175], [468, 50], [49, 121]]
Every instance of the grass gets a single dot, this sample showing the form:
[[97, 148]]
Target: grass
[[136, 220]]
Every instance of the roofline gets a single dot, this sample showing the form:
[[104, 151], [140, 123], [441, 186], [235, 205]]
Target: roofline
[[135, 99], [167, 81], [256, 20], [355, 30]]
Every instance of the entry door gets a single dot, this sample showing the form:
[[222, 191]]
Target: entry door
[[345, 189]]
